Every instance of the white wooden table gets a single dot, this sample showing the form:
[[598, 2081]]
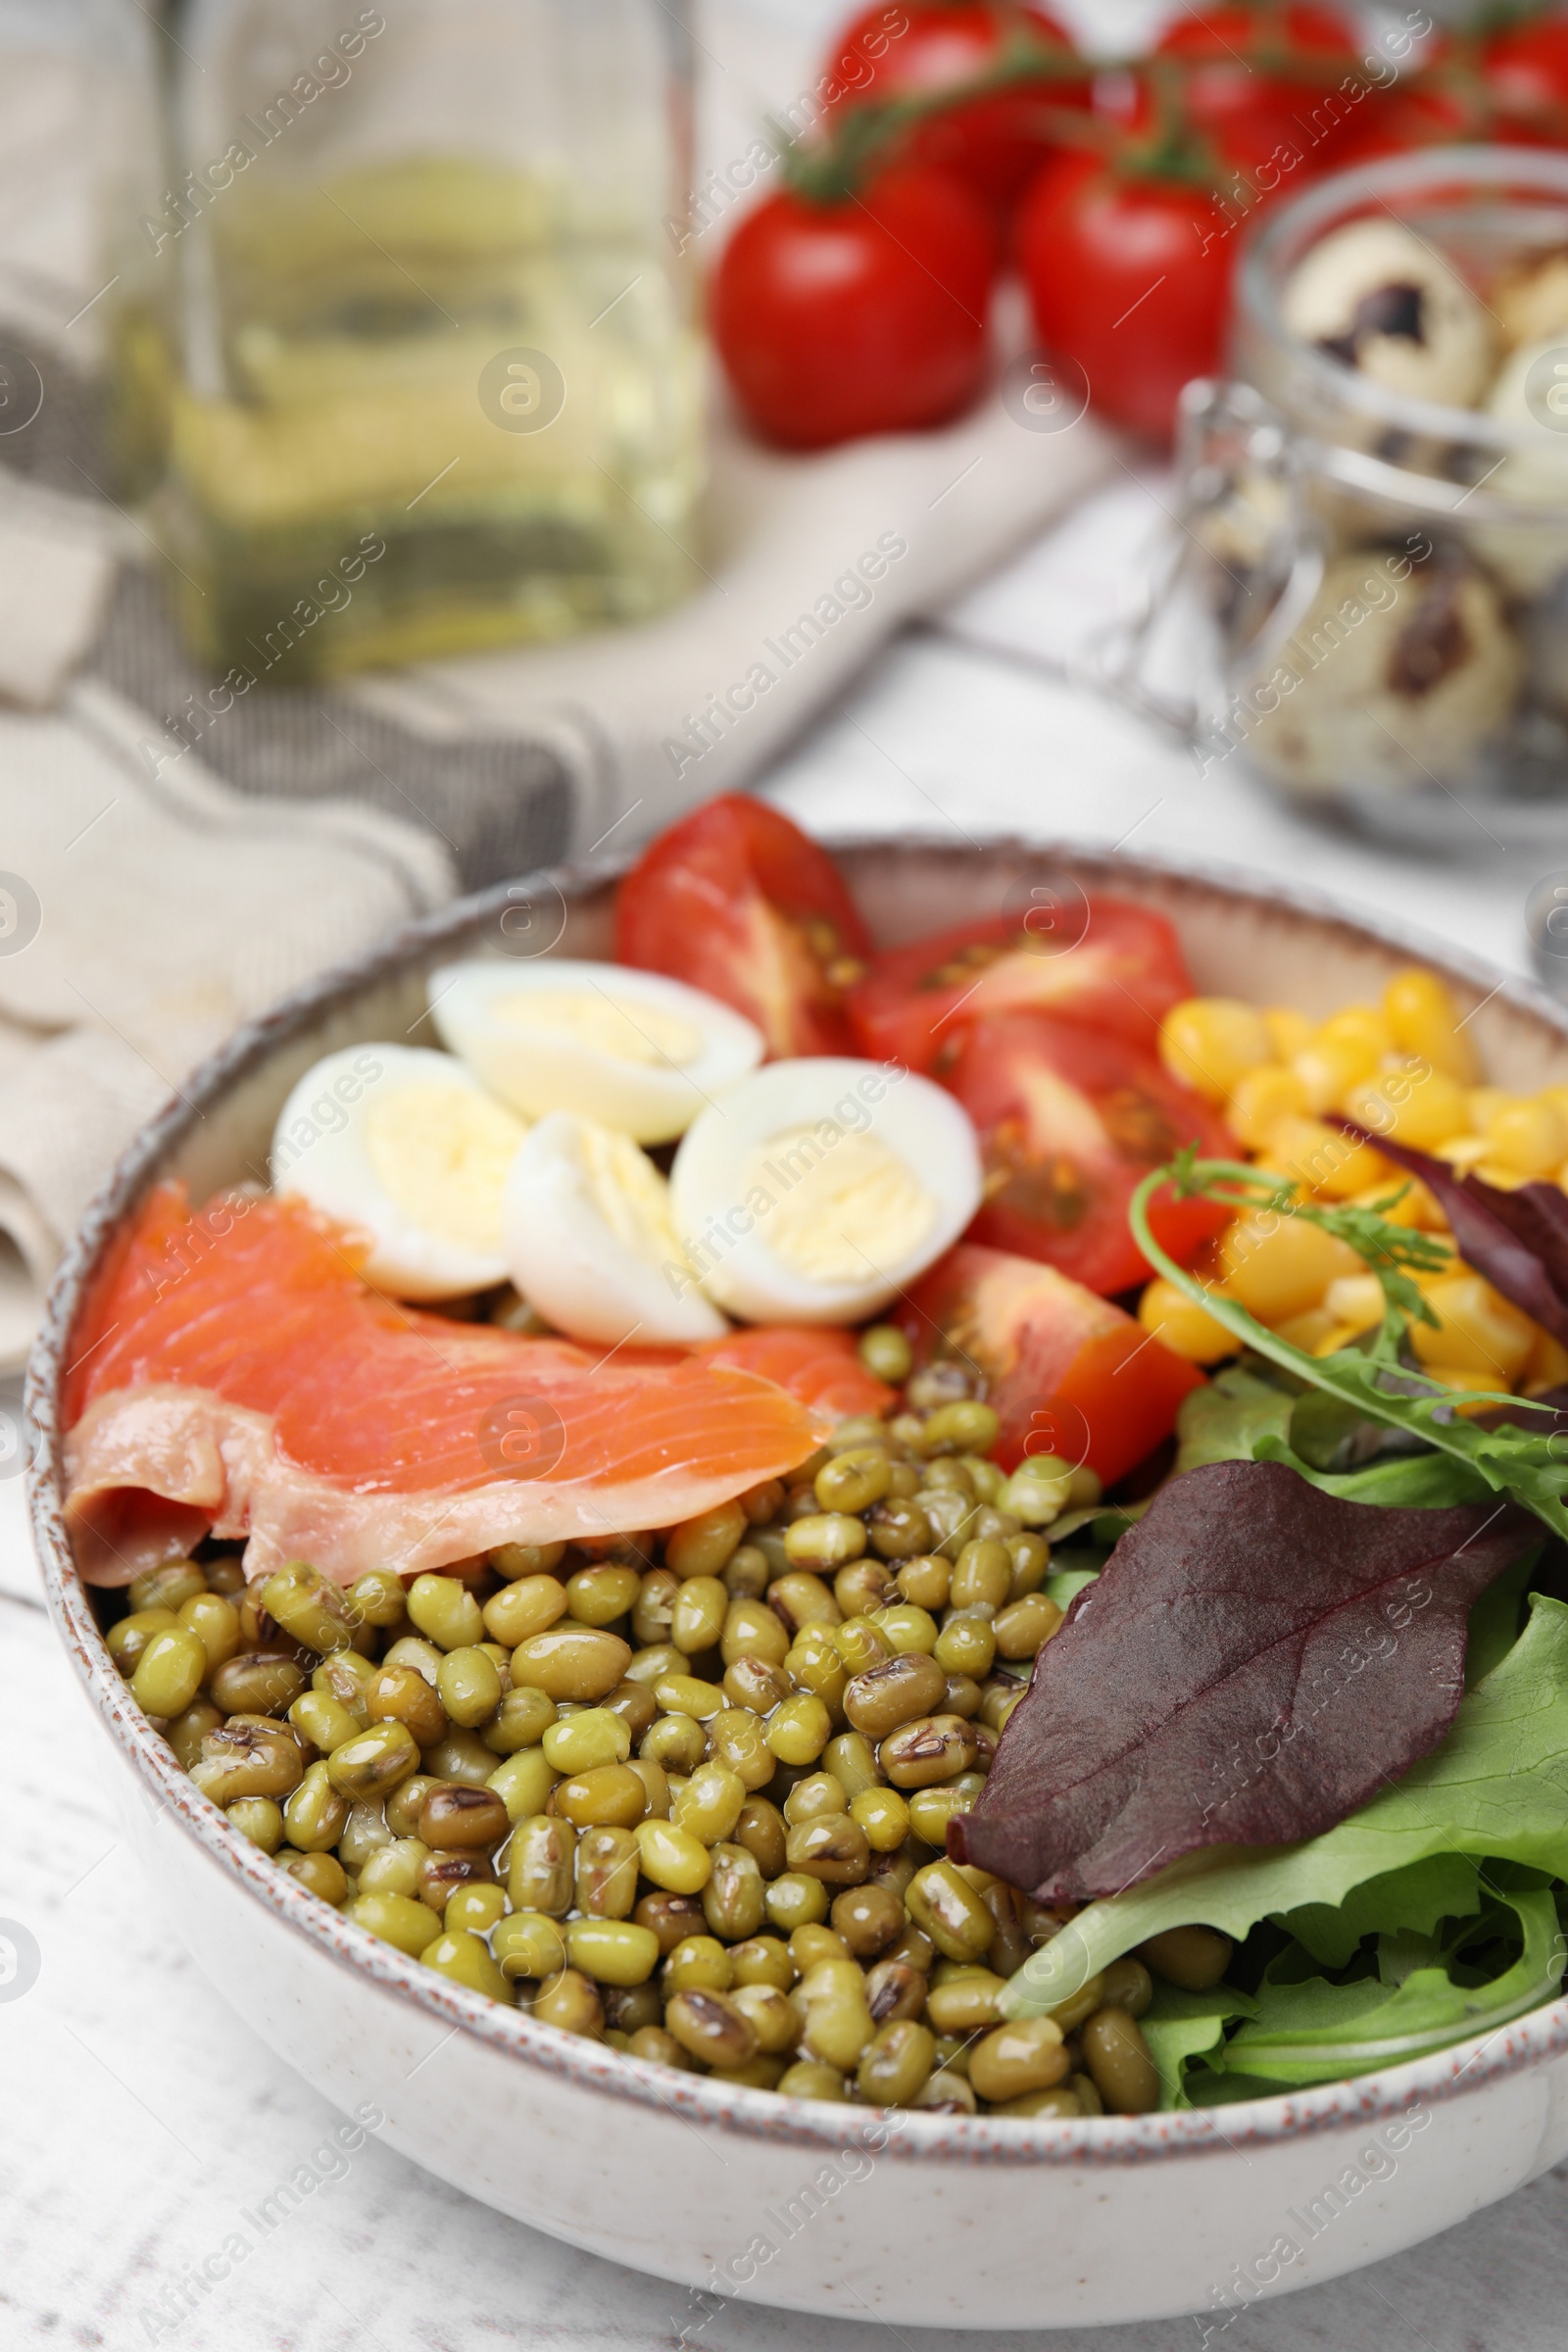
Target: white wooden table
[[143, 2124]]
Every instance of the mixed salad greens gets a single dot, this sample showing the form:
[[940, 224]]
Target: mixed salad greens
[[1433, 1908]]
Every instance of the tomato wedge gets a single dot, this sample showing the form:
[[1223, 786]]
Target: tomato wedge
[[1099, 960], [737, 901], [1070, 1122], [1067, 1372]]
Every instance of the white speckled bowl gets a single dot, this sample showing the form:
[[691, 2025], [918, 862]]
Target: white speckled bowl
[[918, 2220]]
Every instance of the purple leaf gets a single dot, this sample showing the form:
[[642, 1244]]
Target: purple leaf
[[1518, 1240], [1258, 1659]]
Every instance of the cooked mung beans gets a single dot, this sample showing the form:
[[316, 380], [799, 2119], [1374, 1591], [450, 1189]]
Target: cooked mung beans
[[688, 1798]]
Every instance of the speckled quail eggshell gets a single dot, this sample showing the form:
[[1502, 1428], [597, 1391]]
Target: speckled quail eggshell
[[1410, 689], [1529, 557], [326, 1149], [677, 1048], [1531, 298], [793, 1196], [1384, 302]]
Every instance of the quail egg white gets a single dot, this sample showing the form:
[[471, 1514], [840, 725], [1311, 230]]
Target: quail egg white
[[1376, 295], [403, 1144], [590, 1239], [818, 1189], [632, 1049]]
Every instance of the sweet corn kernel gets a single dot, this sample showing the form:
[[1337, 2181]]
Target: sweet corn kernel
[[1462, 1151], [1355, 1299], [1478, 1332], [1289, 1031], [1527, 1133], [1423, 1019], [1262, 1099], [1416, 1103], [1181, 1326], [1279, 1267], [1362, 1027], [1545, 1366], [1209, 1042], [1330, 1065], [1323, 1160], [1414, 1207]]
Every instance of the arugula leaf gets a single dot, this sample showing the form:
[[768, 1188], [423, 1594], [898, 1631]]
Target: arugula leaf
[[1406, 1481], [1320, 2032], [1498, 1785], [1442, 1886], [1518, 1240], [1180, 2026], [1370, 1378]]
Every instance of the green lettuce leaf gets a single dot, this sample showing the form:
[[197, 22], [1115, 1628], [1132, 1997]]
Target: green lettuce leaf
[[1065, 1585], [1223, 1422], [1442, 1886], [1497, 1786], [1318, 2031], [1180, 2026]]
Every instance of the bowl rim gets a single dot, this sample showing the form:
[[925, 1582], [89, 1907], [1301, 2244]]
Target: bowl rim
[[701, 2101]]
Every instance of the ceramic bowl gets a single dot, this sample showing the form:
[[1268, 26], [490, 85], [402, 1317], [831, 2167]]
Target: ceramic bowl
[[919, 2220]]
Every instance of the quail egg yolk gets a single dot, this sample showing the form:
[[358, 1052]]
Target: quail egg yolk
[[630, 1195], [649, 1035], [843, 1204], [441, 1154]]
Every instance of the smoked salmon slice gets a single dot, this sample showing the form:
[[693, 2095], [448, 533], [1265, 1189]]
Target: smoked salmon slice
[[818, 1362], [233, 1372]]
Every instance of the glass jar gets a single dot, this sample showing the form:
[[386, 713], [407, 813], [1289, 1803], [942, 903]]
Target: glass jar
[[406, 358], [1390, 572]]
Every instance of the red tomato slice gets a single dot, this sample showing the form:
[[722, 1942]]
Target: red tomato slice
[[1070, 1122], [1101, 960], [737, 901], [1067, 1372]]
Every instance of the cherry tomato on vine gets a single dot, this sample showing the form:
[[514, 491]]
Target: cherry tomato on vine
[[736, 900], [1130, 275], [867, 315], [1525, 70], [993, 143], [1255, 78]]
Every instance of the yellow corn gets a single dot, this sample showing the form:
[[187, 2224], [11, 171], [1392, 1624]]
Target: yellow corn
[[1181, 1326], [1209, 1042], [1423, 1020]]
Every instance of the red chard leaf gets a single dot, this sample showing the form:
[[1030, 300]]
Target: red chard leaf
[[1256, 1661], [1518, 1240]]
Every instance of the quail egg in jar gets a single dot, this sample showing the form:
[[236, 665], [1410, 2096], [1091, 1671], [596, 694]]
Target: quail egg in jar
[[1401, 673], [1378, 298]]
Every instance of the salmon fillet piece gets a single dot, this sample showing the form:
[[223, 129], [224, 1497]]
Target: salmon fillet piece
[[233, 1372], [818, 1362]]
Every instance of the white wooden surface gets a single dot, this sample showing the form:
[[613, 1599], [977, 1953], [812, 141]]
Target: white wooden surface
[[141, 2124]]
